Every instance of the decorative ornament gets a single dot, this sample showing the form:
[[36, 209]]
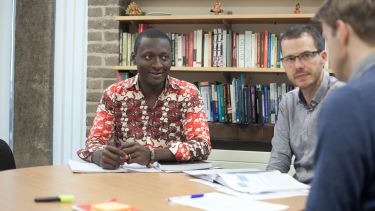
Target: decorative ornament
[[133, 9], [297, 9], [216, 8]]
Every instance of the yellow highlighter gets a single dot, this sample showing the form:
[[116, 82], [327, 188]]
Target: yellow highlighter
[[60, 198]]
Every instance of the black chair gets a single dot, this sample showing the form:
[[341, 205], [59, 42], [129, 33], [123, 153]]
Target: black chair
[[6, 157]]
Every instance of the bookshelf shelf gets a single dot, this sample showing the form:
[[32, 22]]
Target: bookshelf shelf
[[216, 69], [210, 19], [213, 69]]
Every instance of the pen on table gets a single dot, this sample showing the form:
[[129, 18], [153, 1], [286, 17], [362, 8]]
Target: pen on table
[[60, 198], [193, 196]]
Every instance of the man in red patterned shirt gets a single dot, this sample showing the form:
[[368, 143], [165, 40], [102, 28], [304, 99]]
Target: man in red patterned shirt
[[150, 117]]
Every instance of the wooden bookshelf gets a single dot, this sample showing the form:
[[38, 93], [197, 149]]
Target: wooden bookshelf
[[213, 69], [211, 19], [256, 137], [225, 135], [262, 133]]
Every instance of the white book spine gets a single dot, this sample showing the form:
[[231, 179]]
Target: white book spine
[[199, 47], [241, 50], [248, 48], [205, 50]]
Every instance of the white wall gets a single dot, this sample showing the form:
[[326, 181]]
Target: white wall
[[7, 14], [242, 159]]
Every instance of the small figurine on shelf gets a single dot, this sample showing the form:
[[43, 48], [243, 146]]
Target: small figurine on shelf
[[297, 9], [133, 9], [216, 9]]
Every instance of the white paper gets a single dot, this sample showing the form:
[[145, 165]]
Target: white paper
[[263, 196], [254, 196], [212, 174], [218, 201], [262, 182], [86, 167], [180, 167]]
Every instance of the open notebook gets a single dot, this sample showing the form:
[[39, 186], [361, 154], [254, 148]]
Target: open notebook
[[86, 167], [250, 180]]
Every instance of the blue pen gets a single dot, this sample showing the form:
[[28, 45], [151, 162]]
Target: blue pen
[[193, 196]]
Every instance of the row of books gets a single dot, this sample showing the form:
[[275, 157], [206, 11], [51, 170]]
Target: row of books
[[127, 41], [217, 48], [237, 102], [241, 103]]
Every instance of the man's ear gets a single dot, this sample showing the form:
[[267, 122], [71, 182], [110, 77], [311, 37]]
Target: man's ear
[[342, 32], [132, 58], [324, 55]]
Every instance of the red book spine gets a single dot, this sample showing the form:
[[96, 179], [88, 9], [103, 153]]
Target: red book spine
[[191, 49], [234, 49], [258, 49], [265, 51]]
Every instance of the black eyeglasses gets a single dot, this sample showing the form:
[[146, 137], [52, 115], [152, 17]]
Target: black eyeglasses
[[304, 57]]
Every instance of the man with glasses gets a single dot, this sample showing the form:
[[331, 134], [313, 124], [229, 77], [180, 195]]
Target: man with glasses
[[304, 57]]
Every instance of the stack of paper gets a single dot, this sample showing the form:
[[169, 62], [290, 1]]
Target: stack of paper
[[212, 174], [250, 183], [180, 167], [86, 167]]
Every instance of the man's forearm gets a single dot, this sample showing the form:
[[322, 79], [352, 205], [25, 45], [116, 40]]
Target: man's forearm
[[164, 155]]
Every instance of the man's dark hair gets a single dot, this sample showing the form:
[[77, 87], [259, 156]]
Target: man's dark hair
[[297, 31], [150, 33]]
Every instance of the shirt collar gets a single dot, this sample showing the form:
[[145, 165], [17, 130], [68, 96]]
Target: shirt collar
[[363, 66], [319, 94], [170, 83]]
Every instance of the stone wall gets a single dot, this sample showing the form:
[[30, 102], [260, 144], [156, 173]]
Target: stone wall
[[33, 82], [103, 49]]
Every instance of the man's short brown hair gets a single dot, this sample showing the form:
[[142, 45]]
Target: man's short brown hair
[[359, 14]]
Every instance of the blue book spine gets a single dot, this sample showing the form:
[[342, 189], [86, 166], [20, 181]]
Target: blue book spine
[[219, 112], [269, 50], [265, 104]]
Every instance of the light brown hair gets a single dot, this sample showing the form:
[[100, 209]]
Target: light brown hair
[[359, 14]]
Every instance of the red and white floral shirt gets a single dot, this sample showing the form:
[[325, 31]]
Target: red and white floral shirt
[[177, 122]]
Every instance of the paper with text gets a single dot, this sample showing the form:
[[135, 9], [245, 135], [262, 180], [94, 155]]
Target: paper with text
[[262, 182]]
